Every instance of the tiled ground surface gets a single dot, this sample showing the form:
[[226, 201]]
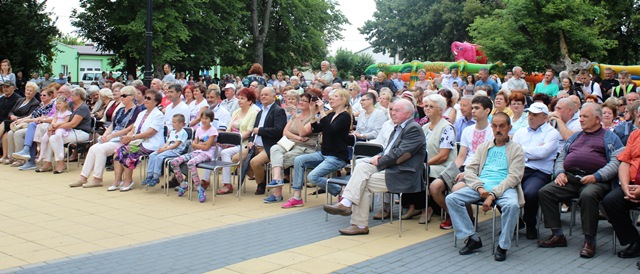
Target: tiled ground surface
[[46, 227]]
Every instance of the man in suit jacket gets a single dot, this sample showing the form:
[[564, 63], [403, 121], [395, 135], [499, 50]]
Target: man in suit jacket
[[398, 169], [267, 131]]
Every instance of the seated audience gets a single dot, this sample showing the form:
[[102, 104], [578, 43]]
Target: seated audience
[[146, 136], [493, 176], [584, 169], [398, 169], [204, 150]]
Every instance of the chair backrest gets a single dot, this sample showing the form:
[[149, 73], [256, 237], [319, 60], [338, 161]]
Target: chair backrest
[[189, 133], [229, 138], [166, 132], [364, 149]]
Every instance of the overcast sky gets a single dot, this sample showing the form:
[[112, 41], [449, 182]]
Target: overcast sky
[[357, 12]]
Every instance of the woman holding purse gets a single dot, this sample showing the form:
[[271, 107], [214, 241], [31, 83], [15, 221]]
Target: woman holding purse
[[298, 131]]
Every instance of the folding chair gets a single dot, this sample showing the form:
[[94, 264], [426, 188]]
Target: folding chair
[[81, 146], [224, 138], [360, 150]]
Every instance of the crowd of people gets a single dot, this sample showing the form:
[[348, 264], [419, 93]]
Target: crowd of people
[[501, 142]]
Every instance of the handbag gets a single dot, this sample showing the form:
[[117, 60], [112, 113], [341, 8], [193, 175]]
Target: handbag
[[16, 127], [286, 143]]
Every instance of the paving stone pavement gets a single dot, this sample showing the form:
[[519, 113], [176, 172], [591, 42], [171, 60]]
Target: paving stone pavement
[[438, 255], [204, 251]]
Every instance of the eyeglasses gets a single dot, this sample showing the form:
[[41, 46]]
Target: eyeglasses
[[148, 98], [125, 95], [364, 99]]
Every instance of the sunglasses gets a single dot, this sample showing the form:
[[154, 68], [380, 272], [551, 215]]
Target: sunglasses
[[148, 98], [125, 95]]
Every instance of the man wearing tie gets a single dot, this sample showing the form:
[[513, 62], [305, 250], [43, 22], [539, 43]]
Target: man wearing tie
[[398, 169], [267, 130]]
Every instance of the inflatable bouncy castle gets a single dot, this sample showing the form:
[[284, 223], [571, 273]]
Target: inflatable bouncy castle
[[469, 59]]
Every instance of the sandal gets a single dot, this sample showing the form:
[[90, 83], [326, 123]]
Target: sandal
[[40, 170], [17, 163], [226, 189]]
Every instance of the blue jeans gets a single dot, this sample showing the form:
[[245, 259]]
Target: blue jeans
[[322, 166], [28, 141], [154, 168], [462, 225]]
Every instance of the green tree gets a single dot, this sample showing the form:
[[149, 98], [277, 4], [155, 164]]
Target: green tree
[[426, 35], [68, 39], [349, 63], [191, 30], [542, 33], [622, 25], [298, 31], [28, 35]]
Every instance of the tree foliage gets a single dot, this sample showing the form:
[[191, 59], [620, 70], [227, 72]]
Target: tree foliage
[[622, 25], [426, 35], [68, 39], [299, 31], [349, 63], [197, 34], [28, 35]]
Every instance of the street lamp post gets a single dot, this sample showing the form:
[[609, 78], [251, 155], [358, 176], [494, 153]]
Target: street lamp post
[[147, 60]]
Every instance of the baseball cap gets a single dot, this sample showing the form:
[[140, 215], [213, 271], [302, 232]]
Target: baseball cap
[[9, 83], [539, 108], [231, 86]]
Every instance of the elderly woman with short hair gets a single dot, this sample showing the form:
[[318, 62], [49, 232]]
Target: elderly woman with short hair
[[517, 102], [146, 136], [22, 108], [79, 126], [106, 98], [109, 141], [441, 148]]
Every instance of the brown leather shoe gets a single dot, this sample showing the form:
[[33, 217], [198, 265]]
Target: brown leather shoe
[[337, 209], [588, 250], [553, 241], [354, 230], [382, 214]]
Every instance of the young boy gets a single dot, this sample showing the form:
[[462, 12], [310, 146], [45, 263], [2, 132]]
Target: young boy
[[175, 146]]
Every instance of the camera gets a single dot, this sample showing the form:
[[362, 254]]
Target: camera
[[554, 123], [577, 84], [314, 98]]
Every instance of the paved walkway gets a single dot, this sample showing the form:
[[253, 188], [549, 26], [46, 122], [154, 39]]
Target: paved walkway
[[46, 227]]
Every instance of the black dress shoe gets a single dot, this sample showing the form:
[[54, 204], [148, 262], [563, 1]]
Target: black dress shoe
[[532, 233], [500, 254], [260, 189], [632, 251], [470, 246]]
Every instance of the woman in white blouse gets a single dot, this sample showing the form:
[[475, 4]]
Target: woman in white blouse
[[197, 105]]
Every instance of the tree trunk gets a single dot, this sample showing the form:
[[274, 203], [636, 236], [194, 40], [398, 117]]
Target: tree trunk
[[131, 67], [259, 34], [158, 71], [258, 51], [565, 52]]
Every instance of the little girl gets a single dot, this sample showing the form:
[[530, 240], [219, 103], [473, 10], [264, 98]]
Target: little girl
[[63, 111], [204, 145]]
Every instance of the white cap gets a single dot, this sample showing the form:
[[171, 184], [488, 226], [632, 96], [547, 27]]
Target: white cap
[[231, 86], [539, 108]]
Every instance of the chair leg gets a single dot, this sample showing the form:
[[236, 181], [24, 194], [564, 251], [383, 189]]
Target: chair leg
[[493, 232], [400, 216]]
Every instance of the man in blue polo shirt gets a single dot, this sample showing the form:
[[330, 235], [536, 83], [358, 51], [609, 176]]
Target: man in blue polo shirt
[[484, 80]]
